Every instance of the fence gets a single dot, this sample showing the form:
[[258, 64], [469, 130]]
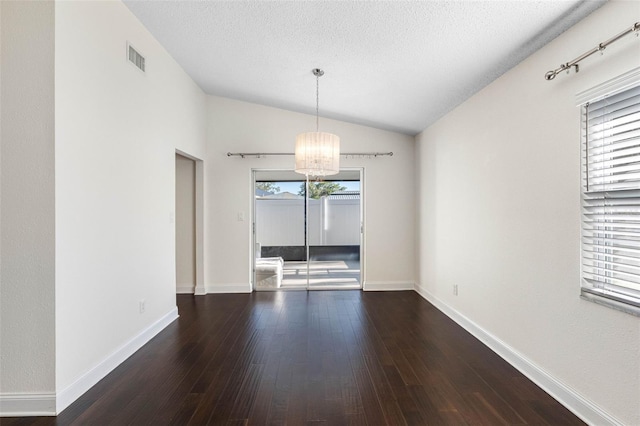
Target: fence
[[332, 222]]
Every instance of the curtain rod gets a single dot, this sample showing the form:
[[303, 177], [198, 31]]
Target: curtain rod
[[269, 154], [599, 48]]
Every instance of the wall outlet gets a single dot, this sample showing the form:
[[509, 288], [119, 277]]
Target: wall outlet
[[455, 289], [142, 306]]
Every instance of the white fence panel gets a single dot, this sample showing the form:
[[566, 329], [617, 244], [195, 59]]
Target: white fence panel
[[332, 222], [341, 222], [315, 227], [280, 222]]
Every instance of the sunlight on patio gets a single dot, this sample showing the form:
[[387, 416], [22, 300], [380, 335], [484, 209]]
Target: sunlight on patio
[[322, 274]]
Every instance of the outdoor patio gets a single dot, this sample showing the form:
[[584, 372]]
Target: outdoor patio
[[330, 274]]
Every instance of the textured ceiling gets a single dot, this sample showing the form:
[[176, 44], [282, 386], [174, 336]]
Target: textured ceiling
[[395, 65]]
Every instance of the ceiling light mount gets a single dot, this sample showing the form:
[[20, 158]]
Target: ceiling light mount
[[317, 72]]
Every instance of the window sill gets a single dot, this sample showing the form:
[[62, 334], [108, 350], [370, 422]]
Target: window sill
[[610, 303]]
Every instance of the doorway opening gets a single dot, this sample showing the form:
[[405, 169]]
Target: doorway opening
[[307, 236], [188, 220]]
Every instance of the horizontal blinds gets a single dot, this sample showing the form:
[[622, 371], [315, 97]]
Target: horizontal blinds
[[611, 196]]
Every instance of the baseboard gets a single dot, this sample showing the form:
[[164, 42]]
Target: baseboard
[[579, 405], [185, 289], [228, 288], [387, 285], [27, 404], [72, 392]]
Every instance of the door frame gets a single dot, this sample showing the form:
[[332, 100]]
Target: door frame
[[252, 225]]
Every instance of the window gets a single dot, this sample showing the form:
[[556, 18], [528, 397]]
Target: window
[[611, 199]]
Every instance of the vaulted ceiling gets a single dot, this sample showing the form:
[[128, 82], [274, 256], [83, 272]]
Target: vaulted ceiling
[[395, 65]]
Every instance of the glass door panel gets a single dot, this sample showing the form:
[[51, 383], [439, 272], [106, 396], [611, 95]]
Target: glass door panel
[[280, 256], [285, 222], [334, 234]]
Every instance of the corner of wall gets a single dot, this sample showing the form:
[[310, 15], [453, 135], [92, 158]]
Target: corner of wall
[[578, 404], [68, 395], [27, 212]]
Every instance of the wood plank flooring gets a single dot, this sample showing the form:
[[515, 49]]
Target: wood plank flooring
[[312, 358]]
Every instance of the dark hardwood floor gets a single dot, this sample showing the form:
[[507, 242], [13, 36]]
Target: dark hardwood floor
[[312, 358]]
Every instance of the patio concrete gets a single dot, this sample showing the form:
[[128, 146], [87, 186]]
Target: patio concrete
[[330, 274]]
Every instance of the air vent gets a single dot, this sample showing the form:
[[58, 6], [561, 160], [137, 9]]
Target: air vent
[[135, 57]]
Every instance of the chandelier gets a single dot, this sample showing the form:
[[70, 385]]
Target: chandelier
[[317, 153]]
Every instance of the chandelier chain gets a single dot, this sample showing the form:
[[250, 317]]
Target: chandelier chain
[[317, 103]]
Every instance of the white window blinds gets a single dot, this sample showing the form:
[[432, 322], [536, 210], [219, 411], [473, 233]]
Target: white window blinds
[[611, 197]]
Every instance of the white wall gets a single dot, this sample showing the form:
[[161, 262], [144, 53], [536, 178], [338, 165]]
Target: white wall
[[388, 181], [117, 130], [27, 341], [499, 215], [185, 225]]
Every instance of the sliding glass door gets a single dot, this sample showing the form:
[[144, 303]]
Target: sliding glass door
[[307, 235]]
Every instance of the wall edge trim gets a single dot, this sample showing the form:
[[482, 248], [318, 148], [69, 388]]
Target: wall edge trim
[[26, 404], [68, 395], [185, 289], [228, 288], [585, 409], [388, 285]]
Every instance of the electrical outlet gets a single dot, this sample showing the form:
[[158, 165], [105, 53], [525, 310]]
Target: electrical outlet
[[455, 289], [142, 307]]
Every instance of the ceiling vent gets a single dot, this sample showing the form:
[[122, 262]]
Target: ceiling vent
[[135, 57]]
